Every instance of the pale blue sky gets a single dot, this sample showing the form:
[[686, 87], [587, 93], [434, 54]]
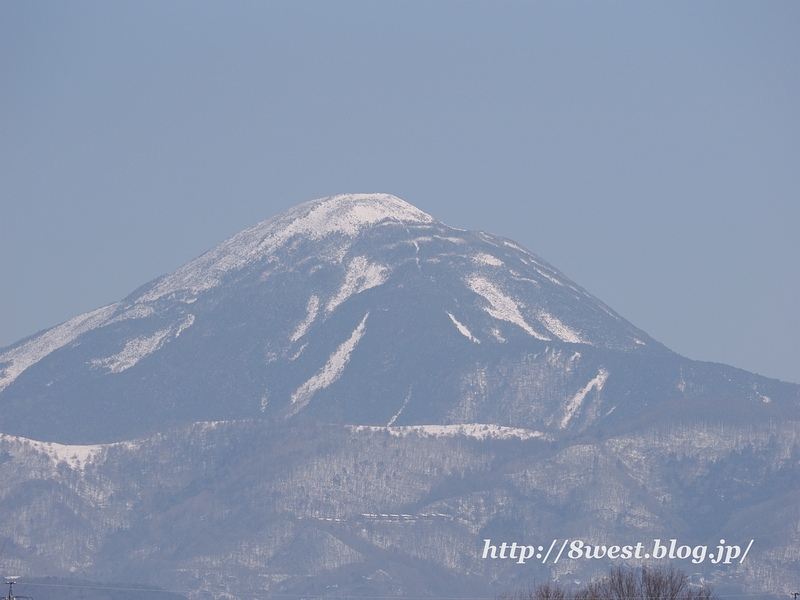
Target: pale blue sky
[[651, 151]]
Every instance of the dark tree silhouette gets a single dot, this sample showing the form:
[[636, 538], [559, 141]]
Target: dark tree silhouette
[[647, 583]]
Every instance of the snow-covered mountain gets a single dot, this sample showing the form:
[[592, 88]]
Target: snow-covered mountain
[[358, 395], [356, 309]]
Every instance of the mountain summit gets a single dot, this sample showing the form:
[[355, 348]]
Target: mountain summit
[[357, 309]]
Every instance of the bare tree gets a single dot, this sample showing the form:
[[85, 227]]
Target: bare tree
[[647, 583]]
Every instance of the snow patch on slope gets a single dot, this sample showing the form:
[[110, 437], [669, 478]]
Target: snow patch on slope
[[137, 312], [484, 259], [32, 351], [577, 400], [134, 351], [361, 275], [331, 371], [479, 431], [549, 277], [463, 329], [501, 306], [451, 239], [558, 329], [137, 348], [187, 322], [311, 313]]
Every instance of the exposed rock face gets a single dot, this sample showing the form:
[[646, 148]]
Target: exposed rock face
[[354, 394]]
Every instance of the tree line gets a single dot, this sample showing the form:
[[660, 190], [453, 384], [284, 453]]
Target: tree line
[[646, 583]]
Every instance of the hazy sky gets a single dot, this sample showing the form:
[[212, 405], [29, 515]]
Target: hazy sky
[[649, 150]]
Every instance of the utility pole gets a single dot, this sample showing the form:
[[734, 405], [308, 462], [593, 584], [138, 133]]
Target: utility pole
[[11, 581]]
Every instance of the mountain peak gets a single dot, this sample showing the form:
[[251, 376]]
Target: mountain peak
[[349, 213], [343, 214]]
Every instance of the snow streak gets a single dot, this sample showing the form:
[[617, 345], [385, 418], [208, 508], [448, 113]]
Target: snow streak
[[558, 329], [575, 403], [311, 313], [331, 371], [134, 351], [394, 418], [361, 275], [501, 306], [463, 329], [484, 259], [188, 322], [137, 348]]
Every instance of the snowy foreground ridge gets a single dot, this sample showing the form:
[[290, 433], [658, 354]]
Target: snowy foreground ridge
[[79, 456], [478, 431]]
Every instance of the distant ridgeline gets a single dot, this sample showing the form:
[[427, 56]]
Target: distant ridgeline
[[351, 397]]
